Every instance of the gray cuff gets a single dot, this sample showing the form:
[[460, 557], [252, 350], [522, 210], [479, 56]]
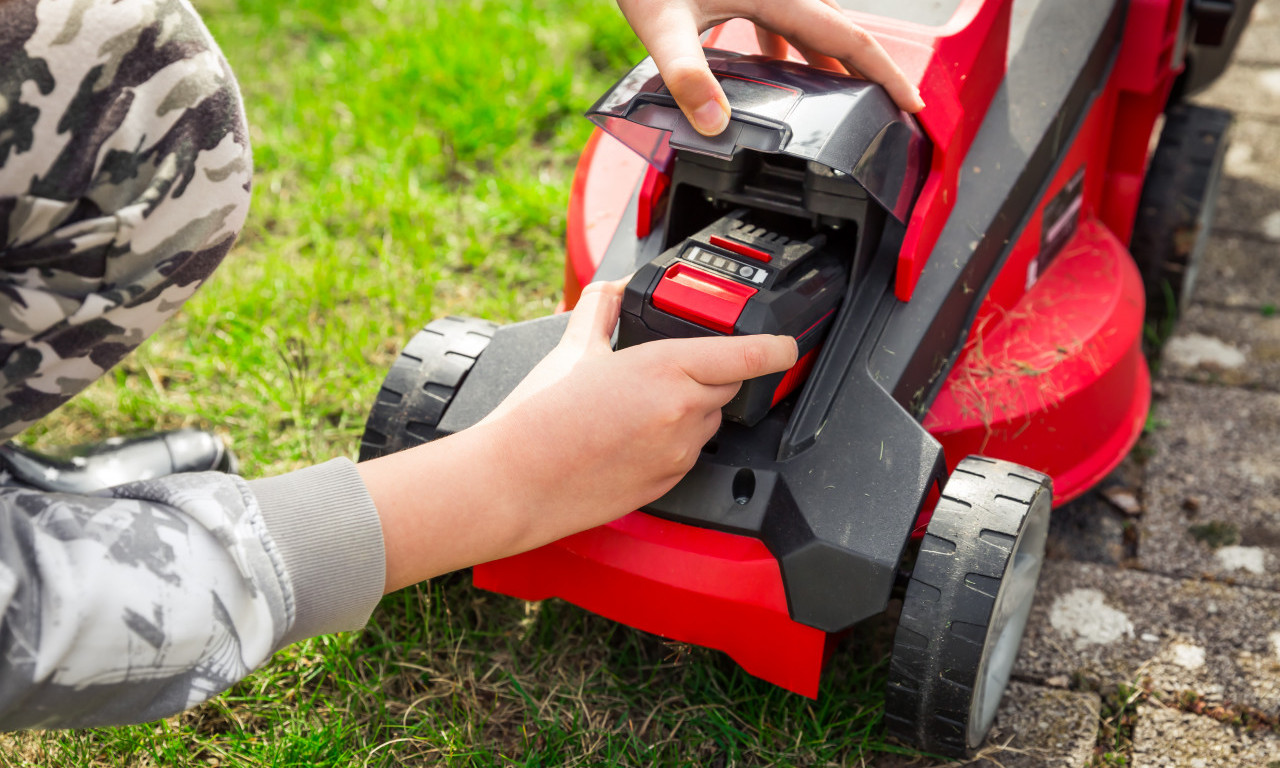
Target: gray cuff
[[327, 530]]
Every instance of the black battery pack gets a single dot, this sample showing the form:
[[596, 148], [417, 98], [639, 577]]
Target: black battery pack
[[735, 277]]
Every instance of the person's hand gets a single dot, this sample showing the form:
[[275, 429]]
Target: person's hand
[[588, 436], [819, 29], [638, 416]]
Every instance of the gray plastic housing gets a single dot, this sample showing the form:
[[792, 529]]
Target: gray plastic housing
[[839, 122]]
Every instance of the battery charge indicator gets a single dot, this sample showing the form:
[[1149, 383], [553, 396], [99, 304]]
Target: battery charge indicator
[[698, 255]]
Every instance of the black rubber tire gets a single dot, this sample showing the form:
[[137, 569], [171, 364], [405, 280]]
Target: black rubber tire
[[992, 516], [1175, 213], [422, 383]]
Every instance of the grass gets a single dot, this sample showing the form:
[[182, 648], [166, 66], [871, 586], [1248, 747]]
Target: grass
[[413, 159], [1119, 719], [447, 675]]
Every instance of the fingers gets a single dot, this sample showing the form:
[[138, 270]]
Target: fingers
[[729, 360], [826, 62], [818, 59], [771, 43], [593, 319], [817, 27], [670, 33], [773, 46]]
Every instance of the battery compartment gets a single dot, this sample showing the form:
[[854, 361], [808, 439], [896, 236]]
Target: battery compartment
[[792, 197]]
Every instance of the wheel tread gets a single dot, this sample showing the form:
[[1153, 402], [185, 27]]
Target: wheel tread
[[421, 384], [998, 539], [979, 518], [1180, 186], [936, 545]]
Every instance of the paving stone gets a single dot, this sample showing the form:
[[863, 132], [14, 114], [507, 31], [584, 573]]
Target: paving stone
[[1253, 149], [1249, 199], [1236, 347], [1167, 738], [1092, 529], [1247, 88], [1249, 206], [1036, 727], [1240, 272], [1095, 627], [1261, 39], [1212, 489], [1088, 529], [1043, 727]]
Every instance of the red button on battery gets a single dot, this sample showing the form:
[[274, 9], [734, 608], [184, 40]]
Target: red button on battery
[[742, 249], [709, 300]]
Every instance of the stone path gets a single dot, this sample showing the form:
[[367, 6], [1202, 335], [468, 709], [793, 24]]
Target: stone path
[[1156, 632]]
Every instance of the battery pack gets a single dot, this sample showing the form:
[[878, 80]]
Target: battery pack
[[735, 277]]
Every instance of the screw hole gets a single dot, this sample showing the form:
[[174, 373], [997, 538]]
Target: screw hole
[[744, 486]]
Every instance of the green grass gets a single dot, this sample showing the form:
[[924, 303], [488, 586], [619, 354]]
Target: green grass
[[450, 675], [413, 159]]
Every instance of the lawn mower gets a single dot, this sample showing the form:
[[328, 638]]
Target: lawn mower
[[969, 317]]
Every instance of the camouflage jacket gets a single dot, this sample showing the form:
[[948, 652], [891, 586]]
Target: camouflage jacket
[[124, 178]]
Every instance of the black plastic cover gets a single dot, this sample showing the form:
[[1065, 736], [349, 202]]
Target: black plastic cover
[[1211, 31], [839, 122]]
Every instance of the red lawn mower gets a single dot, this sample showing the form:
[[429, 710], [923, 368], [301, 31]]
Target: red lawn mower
[[970, 323]]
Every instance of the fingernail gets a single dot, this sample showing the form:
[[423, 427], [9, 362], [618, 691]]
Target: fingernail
[[919, 100], [710, 118]]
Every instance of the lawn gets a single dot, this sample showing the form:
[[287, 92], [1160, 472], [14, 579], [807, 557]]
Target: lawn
[[413, 159]]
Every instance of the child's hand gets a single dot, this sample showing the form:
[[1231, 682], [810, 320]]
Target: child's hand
[[820, 30], [627, 425], [588, 436]]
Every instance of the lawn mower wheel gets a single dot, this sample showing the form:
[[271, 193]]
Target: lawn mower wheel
[[422, 383], [1176, 211], [966, 605]]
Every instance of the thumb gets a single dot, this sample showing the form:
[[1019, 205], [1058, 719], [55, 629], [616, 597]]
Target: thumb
[[671, 37], [697, 91], [594, 317]]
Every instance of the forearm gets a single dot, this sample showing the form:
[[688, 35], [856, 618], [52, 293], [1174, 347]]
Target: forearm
[[455, 502]]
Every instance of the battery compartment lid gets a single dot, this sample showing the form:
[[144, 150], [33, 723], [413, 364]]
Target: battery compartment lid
[[840, 122]]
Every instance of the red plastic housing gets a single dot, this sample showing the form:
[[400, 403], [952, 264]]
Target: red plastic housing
[[1052, 375], [957, 67], [701, 297]]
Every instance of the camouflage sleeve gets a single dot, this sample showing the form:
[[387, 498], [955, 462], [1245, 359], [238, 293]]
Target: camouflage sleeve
[[124, 178], [106, 619], [149, 598]]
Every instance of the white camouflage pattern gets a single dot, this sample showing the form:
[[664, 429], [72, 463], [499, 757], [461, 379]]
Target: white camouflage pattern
[[124, 179]]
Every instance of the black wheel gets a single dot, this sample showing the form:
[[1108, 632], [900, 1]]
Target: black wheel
[[1179, 198], [422, 383], [966, 606]]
